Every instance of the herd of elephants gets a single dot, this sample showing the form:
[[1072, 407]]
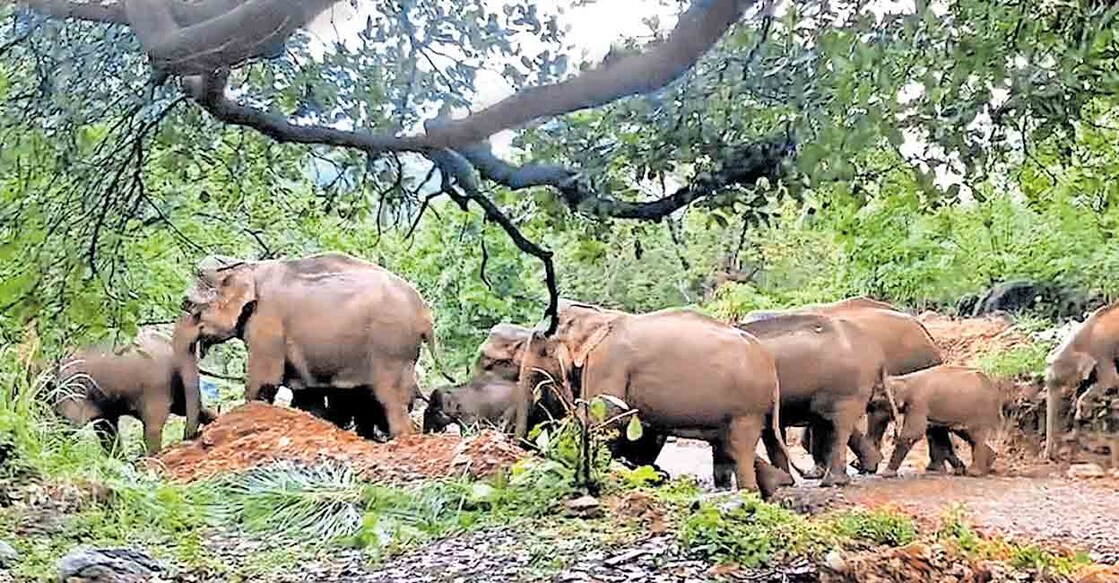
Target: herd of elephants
[[344, 336]]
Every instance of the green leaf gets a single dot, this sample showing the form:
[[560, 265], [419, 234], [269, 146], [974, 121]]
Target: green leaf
[[598, 410], [634, 430]]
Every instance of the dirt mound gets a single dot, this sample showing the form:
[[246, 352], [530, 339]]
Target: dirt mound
[[964, 340], [255, 434]]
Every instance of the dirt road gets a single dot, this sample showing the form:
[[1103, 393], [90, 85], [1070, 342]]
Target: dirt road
[[1078, 514]]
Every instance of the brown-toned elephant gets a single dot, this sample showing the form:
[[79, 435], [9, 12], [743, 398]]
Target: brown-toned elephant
[[907, 347], [957, 398], [1086, 359], [327, 321], [147, 380], [486, 400], [828, 368], [502, 355], [686, 375]]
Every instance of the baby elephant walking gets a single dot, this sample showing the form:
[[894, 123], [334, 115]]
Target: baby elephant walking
[[958, 398]]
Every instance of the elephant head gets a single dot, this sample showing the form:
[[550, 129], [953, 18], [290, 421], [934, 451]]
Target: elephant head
[[502, 352], [1068, 365], [581, 327], [223, 296]]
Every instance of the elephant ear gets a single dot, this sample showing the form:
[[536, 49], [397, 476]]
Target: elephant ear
[[237, 286], [584, 349]]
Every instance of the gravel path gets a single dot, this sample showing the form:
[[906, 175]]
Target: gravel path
[[1079, 514]]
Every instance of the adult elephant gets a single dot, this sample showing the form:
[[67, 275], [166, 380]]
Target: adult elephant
[[684, 373], [907, 347], [502, 356], [148, 379], [828, 368], [327, 321], [1086, 359]]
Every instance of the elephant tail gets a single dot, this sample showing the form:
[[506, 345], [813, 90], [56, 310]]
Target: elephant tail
[[428, 338], [775, 427]]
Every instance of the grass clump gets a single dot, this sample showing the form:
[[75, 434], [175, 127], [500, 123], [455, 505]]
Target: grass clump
[[881, 527], [957, 534], [751, 533]]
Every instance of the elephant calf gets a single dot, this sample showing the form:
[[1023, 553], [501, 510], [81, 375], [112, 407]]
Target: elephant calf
[[958, 398], [143, 381], [483, 400]]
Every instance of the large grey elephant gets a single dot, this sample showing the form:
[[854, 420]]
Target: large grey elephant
[[148, 379], [325, 322], [1085, 360], [828, 368], [907, 347], [685, 374]]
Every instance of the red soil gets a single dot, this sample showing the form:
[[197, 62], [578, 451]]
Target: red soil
[[256, 434]]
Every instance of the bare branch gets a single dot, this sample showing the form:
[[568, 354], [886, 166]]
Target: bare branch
[[700, 27], [743, 166], [209, 92]]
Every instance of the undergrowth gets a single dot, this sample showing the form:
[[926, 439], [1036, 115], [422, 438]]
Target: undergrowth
[[957, 534], [751, 533]]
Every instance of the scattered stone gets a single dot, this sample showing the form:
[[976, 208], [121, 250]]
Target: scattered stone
[[8, 555], [583, 507], [107, 566], [1086, 471]]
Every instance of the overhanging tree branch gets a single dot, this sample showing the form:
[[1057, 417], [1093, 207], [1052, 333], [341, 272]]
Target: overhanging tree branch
[[698, 29]]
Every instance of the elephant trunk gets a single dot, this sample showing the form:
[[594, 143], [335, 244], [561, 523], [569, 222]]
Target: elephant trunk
[[1053, 395], [184, 341], [524, 391]]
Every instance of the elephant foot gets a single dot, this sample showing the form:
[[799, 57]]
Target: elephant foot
[[974, 473], [960, 471], [888, 473], [832, 480], [935, 468]]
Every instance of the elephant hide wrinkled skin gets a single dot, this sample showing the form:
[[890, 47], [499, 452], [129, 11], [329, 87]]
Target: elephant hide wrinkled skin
[[328, 323], [686, 375], [828, 368], [957, 398], [147, 380], [1086, 359], [907, 347]]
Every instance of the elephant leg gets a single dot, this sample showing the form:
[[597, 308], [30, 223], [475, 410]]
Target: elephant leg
[[843, 424], [940, 448], [154, 416], [743, 436], [912, 430], [724, 464], [818, 447], [394, 389], [108, 432], [368, 414], [806, 439], [982, 456], [265, 375]]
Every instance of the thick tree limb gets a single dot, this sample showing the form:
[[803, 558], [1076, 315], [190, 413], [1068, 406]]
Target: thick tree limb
[[209, 92], [698, 29]]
